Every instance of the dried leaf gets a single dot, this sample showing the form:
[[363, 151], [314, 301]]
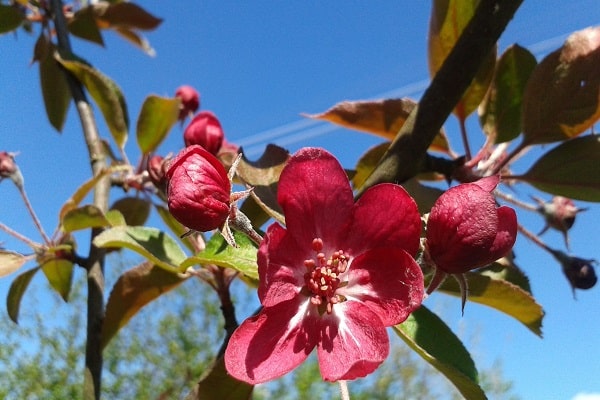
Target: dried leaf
[[125, 15], [562, 97], [10, 261]]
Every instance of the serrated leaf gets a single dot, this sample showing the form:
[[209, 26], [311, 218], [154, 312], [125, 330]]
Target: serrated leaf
[[83, 25], [16, 292], [430, 337], [500, 112], [562, 97], [263, 176], [107, 96], [380, 117], [10, 261], [217, 383], [569, 170], [59, 273], [55, 89], [133, 290], [448, 19], [218, 252], [505, 269], [85, 217], [124, 14], [157, 117], [135, 210], [10, 18], [153, 244], [501, 295]]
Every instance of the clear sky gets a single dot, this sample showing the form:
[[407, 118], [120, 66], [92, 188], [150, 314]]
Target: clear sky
[[258, 65]]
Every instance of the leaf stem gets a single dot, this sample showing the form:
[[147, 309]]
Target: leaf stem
[[34, 217], [20, 237]]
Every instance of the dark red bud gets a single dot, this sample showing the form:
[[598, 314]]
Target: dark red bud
[[198, 190], [157, 169], [205, 130], [190, 100], [580, 273]]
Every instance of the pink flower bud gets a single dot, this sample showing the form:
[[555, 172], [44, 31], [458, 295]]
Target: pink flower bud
[[190, 101], [559, 214], [198, 190], [466, 230], [7, 164], [206, 131], [157, 171]]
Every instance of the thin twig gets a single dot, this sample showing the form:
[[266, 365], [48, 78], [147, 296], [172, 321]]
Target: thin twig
[[34, 217]]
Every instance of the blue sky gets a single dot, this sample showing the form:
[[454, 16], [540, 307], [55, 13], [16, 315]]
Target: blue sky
[[258, 65]]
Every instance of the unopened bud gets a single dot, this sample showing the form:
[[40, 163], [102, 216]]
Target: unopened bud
[[559, 214], [157, 172], [205, 130], [579, 272], [10, 169], [190, 101]]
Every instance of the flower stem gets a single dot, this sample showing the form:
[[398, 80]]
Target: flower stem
[[465, 139], [344, 393], [20, 237], [34, 217]]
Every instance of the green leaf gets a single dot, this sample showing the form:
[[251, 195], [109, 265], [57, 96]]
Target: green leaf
[[59, 273], [157, 117], [448, 19], [263, 176], [501, 295], [500, 113], [431, 338], [216, 383], [10, 18], [505, 269], [107, 96], [132, 291], [178, 229], [10, 261], [569, 170], [16, 292], [135, 210], [85, 217], [218, 252], [55, 89], [83, 25], [562, 97], [151, 243]]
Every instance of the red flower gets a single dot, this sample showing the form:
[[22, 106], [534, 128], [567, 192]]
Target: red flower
[[198, 190], [466, 230], [190, 101], [334, 278], [205, 130]]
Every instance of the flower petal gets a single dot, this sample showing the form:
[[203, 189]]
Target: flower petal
[[272, 343], [353, 342], [388, 281], [385, 216], [507, 233], [280, 266], [315, 194]]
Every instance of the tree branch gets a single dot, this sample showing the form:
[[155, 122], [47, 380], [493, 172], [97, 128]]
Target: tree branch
[[405, 155], [95, 260]]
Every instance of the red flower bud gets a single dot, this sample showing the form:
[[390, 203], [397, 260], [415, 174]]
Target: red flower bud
[[190, 101], [10, 169], [156, 171], [466, 230], [198, 190], [205, 130]]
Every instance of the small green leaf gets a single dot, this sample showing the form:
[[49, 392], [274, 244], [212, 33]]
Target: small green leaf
[[55, 89], [107, 96], [562, 97], [218, 252], [16, 292], [500, 113], [151, 243], [135, 210], [85, 217], [216, 383], [132, 291], [10, 261], [263, 176], [157, 117], [174, 225], [569, 170], [10, 18], [83, 25], [59, 273], [430, 337], [501, 295]]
